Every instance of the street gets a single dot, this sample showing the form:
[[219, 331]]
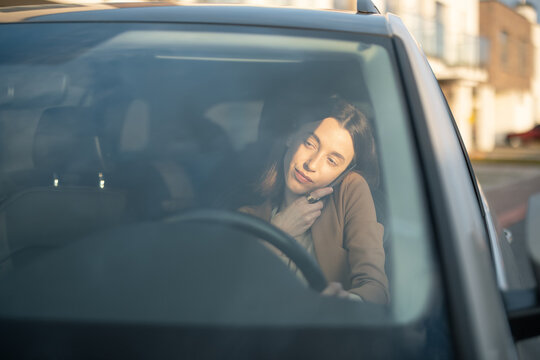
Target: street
[[507, 187], [528, 154], [508, 178]]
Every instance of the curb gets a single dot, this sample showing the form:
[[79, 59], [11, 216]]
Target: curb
[[520, 161]]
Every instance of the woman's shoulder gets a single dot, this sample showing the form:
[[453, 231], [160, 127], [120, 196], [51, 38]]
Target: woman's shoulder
[[354, 197], [353, 191], [354, 181]]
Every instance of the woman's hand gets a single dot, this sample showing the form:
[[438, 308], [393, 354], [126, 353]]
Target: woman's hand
[[298, 217], [336, 289]]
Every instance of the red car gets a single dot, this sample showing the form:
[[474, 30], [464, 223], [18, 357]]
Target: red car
[[518, 139]]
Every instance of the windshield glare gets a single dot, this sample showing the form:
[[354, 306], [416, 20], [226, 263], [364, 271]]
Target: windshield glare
[[108, 133]]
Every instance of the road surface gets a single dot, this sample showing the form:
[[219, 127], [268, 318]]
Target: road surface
[[507, 187]]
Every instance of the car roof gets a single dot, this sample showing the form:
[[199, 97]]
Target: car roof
[[209, 14]]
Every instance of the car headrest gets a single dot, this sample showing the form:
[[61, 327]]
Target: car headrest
[[281, 114], [66, 141]]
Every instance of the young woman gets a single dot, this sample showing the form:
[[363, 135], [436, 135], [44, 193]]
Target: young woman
[[337, 225]]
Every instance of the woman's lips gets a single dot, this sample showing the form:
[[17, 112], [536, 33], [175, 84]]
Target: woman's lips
[[301, 177]]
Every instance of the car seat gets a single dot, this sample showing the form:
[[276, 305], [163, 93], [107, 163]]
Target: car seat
[[152, 153], [66, 195]]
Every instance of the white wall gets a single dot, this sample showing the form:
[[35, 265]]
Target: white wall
[[514, 112], [536, 77], [462, 108], [485, 118], [381, 5], [316, 4]]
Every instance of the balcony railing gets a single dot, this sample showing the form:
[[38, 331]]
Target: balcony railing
[[455, 49]]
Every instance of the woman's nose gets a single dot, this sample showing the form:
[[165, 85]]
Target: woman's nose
[[310, 164]]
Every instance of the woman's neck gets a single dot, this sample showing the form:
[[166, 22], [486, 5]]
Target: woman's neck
[[288, 198]]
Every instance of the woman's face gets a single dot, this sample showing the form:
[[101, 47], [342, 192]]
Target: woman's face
[[316, 155]]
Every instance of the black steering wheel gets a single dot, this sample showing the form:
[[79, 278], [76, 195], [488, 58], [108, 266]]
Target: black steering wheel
[[264, 231]]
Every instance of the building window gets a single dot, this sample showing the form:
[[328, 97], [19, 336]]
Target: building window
[[503, 42], [440, 29]]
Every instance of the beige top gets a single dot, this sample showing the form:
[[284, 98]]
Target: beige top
[[347, 239], [306, 240]]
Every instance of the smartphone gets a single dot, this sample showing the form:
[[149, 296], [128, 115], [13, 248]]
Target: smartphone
[[341, 176], [336, 181]]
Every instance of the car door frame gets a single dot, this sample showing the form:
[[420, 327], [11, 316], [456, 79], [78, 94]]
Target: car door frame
[[479, 325]]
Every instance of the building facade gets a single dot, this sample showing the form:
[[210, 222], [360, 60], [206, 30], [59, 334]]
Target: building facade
[[512, 34], [449, 33], [484, 54]]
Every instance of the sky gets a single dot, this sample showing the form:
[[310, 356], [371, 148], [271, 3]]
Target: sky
[[535, 3]]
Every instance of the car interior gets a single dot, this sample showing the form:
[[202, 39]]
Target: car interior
[[141, 145]]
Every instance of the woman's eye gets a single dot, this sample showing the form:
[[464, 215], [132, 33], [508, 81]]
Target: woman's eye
[[309, 143], [332, 162]]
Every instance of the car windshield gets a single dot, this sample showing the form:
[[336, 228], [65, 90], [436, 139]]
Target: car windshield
[[112, 136]]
